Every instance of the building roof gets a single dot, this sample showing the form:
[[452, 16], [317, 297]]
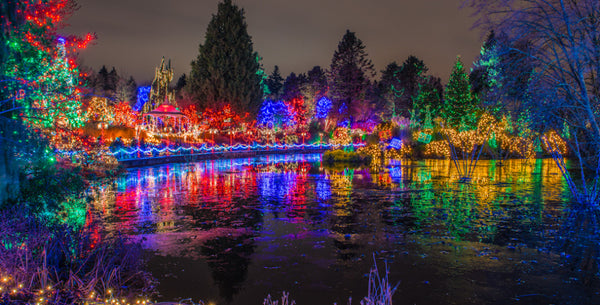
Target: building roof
[[166, 110]]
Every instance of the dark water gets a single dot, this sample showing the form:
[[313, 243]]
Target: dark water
[[233, 231]]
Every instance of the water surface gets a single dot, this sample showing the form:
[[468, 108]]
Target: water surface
[[233, 231]]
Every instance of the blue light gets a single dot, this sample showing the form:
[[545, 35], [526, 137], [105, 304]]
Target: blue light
[[61, 40], [323, 107], [143, 94], [275, 114], [343, 108], [396, 143]]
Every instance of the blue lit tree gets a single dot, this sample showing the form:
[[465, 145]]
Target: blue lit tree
[[275, 114], [143, 94], [323, 107]]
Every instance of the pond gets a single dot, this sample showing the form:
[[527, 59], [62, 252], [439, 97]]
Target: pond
[[234, 231]]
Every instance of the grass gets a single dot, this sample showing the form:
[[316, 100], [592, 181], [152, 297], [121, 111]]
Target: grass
[[56, 264]]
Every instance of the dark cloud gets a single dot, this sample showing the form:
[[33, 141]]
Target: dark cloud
[[296, 35]]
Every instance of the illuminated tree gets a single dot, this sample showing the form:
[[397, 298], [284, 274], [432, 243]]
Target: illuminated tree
[[192, 113], [323, 107], [223, 118], [124, 115], [314, 89], [298, 111], [391, 90], [142, 97], [226, 69], [100, 110], [429, 98], [459, 108], [559, 41], [275, 114], [263, 78], [126, 89], [410, 77], [37, 70], [40, 81]]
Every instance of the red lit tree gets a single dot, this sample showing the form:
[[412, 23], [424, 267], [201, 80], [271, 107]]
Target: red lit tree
[[298, 109], [124, 115], [224, 118]]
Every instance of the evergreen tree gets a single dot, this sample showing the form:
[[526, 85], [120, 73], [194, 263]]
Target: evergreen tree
[[181, 82], [485, 73], [292, 87], [126, 90], [226, 70], [411, 76], [275, 83], [459, 105], [429, 98], [314, 89], [390, 90], [111, 82], [349, 76], [100, 81]]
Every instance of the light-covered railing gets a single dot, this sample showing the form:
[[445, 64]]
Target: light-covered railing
[[129, 153]]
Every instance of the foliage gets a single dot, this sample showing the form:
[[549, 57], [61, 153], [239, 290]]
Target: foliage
[[314, 89], [224, 118], [341, 136], [349, 77], [142, 97], [275, 114], [275, 83], [285, 300], [340, 156], [100, 110], [41, 87], [292, 86], [322, 108], [226, 69], [125, 116], [65, 264], [459, 108], [429, 99], [558, 43]]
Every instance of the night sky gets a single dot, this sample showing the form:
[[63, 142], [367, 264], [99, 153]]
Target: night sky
[[133, 35]]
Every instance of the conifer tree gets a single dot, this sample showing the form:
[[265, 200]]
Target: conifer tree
[[349, 75], [226, 70], [429, 96], [275, 83], [458, 100], [410, 76], [314, 89]]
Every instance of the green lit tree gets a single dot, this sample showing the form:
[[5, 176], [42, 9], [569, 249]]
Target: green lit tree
[[391, 90], [429, 98], [227, 69], [459, 104], [40, 86]]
